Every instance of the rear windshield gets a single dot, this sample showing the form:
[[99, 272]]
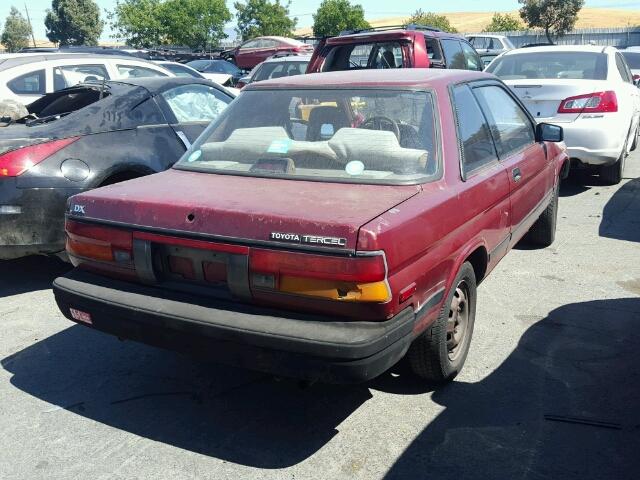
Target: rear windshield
[[550, 65], [363, 56], [280, 69], [360, 136], [633, 59]]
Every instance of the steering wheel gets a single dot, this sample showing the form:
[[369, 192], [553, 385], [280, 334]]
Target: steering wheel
[[379, 122]]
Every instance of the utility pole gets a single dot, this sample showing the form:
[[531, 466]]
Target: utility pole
[[33, 38]]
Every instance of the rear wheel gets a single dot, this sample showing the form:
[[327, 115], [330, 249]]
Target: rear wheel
[[635, 139], [438, 354], [612, 174], [543, 232]]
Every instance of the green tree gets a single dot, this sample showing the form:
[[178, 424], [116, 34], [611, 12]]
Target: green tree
[[139, 23], [74, 22], [257, 18], [503, 23], [556, 17], [432, 20], [16, 31], [334, 16], [195, 23]]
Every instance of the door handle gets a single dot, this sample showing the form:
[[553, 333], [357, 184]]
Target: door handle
[[517, 176]]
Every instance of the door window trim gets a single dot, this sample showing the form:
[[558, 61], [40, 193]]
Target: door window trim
[[522, 108], [465, 175]]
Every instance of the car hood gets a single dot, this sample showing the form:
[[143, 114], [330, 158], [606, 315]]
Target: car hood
[[242, 209]]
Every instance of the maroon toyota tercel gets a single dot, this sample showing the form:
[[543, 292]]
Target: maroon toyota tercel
[[323, 227]]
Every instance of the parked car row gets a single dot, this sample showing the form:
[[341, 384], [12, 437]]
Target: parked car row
[[328, 221]]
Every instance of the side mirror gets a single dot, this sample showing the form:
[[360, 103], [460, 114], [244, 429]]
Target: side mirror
[[636, 80], [546, 132], [243, 81]]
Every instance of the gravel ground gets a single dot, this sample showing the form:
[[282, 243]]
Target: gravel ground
[[550, 388]]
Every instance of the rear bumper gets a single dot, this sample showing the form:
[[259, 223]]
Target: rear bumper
[[277, 342], [594, 141], [39, 225]]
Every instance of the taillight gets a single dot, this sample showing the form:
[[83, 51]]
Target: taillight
[[356, 279], [598, 102], [99, 243], [18, 161]]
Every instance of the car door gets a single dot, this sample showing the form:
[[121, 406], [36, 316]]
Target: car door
[[485, 184], [248, 54], [190, 108], [629, 88], [529, 169]]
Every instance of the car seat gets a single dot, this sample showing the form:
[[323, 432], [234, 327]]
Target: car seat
[[325, 115], [388, 59]]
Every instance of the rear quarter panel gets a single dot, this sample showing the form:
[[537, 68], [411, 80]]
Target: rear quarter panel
[[428, 237]]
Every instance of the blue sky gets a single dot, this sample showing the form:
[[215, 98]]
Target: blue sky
[[304, 8]]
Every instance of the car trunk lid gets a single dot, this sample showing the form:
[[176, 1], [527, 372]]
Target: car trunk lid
[[543, 97], [244, 210]]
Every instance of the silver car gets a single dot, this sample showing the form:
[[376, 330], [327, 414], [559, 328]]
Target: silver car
[[487, 44]]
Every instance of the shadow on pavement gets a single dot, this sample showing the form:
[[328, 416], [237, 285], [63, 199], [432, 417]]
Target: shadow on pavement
[[29, 274], [231, 414], [563, 405], [621, 214]]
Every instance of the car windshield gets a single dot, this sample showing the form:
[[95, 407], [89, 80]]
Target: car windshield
[[551, 65], [633, 59], [359, 136], [221, 66]]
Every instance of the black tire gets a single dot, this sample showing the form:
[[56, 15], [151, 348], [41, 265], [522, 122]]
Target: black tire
[[612, 174], [431, 355], [543, 232], [635, 139]]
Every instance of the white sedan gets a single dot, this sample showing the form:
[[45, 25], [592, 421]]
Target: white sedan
[[588, 90]]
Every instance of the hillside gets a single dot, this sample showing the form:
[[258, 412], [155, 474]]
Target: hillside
[[470, 22]]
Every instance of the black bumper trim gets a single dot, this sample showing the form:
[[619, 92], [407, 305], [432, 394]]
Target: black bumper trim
[[295, 344]]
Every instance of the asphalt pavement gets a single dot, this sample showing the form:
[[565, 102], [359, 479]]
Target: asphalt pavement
[[550, 390]]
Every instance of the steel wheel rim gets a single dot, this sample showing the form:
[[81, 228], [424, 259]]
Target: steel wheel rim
[[458, 320]]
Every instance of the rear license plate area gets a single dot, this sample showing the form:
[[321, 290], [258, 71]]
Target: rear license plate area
[[183, 268]]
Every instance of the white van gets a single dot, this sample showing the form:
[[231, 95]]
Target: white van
[[25, 77]]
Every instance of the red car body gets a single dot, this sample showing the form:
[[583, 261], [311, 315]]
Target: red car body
[[257, 50], [421, 47], [412, 239]]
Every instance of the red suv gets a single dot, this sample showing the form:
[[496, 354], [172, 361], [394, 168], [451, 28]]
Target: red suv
[[257, 50], [325, 248], [409, 46]]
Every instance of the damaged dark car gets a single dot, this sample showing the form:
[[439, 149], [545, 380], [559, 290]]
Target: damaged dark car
[[89, 136]]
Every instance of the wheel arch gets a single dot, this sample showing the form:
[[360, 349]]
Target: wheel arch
[[122, 174]]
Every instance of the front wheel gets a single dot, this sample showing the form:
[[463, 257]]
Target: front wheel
[[439, 353], [543, 232]]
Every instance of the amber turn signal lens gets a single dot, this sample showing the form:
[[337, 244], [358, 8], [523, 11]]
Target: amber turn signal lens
[[336, 290]]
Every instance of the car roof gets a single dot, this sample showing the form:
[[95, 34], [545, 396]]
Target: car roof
[[406, 77], [559, 48], [289, 58], [13, 60], [384, 35], [488, 35]]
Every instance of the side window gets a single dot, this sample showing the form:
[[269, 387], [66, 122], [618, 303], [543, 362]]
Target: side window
[[70, 75], [433, 50], [478, 149], [266, 43], [622, 69], [32, 83], [251, 44], [195, 103], [510, 125], [134, 71], [453, 54], [471, 57], [478, 42]]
